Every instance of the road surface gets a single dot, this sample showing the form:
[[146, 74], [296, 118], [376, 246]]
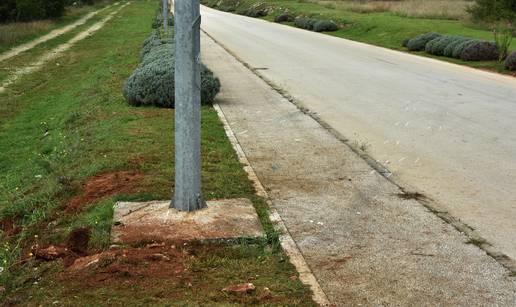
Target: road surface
[[446, 130]]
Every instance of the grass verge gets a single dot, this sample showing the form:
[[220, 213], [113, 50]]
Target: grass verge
[[16, 33], [385, 29], [71, 147]]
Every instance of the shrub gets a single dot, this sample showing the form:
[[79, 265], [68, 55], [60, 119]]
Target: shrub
[[161, 51], [480, 51], [494, 10], [305, 23], [29, 10], [437, 46], [510, 61], [430, 45], [255, 13], [418, 43], [448, 51], [285, 17], [158, 21], [503, 38], [153, 84], [404, 42], [154, 40], [457, 51], [53, 8], [26, 10], [325, 26]]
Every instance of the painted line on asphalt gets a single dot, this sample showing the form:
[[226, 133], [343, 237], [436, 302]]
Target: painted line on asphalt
[[287, 242]]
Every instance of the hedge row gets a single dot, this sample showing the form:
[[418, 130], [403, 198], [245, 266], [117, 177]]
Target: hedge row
[[152, 83], [464, 48], [315, 24]]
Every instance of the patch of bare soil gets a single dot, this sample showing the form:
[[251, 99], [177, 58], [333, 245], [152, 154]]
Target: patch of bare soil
[[103, 186], [10, 226], [129, 266]]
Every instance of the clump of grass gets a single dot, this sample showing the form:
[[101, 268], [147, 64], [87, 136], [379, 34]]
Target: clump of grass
[[14, 33], [503, 39]]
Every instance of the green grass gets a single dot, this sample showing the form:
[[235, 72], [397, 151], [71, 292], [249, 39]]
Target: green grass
[[41, 28], [64, 124], [383, 29], [35, 53]]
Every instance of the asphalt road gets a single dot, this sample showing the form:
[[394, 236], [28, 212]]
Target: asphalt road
[[445, 130]]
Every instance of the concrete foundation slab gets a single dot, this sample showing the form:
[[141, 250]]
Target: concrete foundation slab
[[155, 221]]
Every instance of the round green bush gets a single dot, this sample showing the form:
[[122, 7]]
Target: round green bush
[[404, 42], [285, 17], [448, 51], [158, 52], [158, 21], [480, 51], [305, 23], [439, 46], [153, 41], [256, 13], [153, 84], [325, 26], [418, 43], [510, 61], [429, 47], [457, 51]]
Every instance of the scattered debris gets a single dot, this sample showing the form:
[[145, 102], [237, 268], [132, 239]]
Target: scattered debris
[[88, 261], [158, 257], [240, 288], [50, 253]]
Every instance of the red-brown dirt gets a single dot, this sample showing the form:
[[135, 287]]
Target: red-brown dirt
[[129, 265], [105, 185]]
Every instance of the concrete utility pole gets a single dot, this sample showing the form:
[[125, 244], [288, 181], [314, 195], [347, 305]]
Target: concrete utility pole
[[187, 18], [165, 14]]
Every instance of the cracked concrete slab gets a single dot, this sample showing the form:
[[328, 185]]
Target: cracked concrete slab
[[364, 244], [135, 222]]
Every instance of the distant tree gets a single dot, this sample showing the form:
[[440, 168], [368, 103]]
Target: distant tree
[[7, 9], [494, 10], [26, 10], [54, 8]]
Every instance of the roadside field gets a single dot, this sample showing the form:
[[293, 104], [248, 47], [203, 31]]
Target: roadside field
[[70, 147], [385, 28], [15, 33]]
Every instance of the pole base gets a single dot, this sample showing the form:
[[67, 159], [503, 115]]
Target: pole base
[[136, 222], [198, 204]]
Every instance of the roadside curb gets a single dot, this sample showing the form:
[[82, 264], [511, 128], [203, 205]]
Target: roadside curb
[[287, 242]]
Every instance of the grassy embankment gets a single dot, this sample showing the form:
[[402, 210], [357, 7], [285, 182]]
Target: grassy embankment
[[70, 147], [16, 33], [387, 28]]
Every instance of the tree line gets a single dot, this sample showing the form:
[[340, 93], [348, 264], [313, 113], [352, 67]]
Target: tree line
[[26, 10]]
